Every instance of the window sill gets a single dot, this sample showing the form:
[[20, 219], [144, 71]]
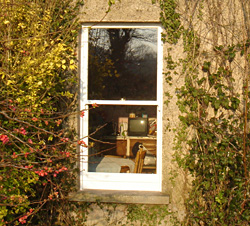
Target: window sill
[[129, 197]]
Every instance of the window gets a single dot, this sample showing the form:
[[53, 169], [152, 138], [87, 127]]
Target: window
[[121, 72]]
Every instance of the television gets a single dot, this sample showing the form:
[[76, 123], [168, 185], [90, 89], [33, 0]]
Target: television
[[137, 126]]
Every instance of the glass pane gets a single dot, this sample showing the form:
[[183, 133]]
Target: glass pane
[[116, 135], [122, 64]]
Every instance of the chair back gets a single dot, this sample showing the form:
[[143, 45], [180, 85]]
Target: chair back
[[139, 161]]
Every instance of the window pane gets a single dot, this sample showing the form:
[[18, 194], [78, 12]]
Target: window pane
[[122, 64], [115, 138]]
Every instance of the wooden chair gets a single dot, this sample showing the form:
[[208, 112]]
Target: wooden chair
[[125, 169], [139, 161]]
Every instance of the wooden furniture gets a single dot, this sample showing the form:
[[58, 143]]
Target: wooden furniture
[[139, 161], [124, 145], [149, 169]]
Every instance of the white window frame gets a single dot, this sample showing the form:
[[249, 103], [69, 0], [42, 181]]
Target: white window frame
[[119, 181]]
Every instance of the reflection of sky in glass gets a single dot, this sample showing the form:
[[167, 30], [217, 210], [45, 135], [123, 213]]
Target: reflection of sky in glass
[[146, 38], [123, 63], [141, 38]]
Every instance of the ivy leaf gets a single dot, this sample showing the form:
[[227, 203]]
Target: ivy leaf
[[234, 103], [231, 57], [202, 80], [216, 104], [206, 66]]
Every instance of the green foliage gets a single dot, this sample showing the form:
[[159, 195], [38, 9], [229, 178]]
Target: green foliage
[[212, 142], [170, 20], [215, 156], [111, 2], [37, 75], [215, 151], [147, 215]]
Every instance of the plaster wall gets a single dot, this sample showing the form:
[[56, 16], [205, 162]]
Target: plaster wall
[[146, 12], [121, 11], [218, 20]]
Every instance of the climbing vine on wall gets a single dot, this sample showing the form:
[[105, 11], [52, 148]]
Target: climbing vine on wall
[[213, 139]]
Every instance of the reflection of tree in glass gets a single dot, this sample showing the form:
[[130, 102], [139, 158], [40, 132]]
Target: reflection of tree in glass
[[122, 64]]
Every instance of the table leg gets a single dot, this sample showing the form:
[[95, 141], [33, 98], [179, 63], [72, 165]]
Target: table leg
[[128, 147]]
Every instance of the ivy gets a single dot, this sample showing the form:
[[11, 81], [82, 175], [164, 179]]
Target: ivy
[[170, 20], [214, 156], [216, 153], [148, 215]]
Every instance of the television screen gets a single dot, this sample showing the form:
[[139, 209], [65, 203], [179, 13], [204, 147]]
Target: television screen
[[137, 126]]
